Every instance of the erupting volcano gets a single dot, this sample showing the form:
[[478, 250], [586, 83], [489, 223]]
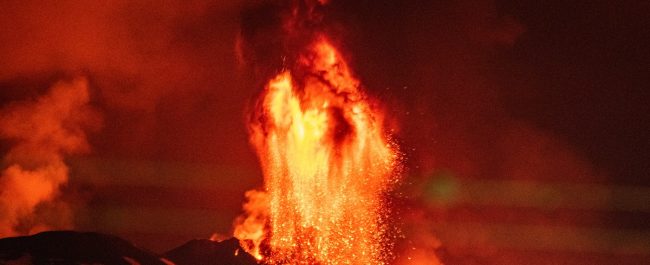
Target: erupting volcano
[[354, 132], [326, 163]]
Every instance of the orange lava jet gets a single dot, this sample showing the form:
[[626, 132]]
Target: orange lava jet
[[327, 164]]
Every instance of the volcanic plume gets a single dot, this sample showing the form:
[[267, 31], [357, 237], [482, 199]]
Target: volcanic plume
[[42, 131], [325, 157]]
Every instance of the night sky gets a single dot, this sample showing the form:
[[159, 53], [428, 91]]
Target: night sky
[[516, 118]]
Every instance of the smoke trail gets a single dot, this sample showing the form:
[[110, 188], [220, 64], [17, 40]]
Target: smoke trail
[[41, 132]]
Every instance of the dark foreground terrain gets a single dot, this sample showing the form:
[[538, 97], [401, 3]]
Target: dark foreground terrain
[[70, 247]]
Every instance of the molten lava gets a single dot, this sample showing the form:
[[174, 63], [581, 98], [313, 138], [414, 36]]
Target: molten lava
[[326, 162]]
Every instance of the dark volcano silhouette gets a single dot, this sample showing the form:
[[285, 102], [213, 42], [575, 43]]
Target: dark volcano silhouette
[[70, 247], [203, 251]]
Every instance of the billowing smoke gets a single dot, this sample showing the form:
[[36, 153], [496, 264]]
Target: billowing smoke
[[41, 133], [164, 76]]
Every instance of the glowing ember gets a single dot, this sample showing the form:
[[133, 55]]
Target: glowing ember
[[326, 164]]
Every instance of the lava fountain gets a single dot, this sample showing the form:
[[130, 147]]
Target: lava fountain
[[327, 164]]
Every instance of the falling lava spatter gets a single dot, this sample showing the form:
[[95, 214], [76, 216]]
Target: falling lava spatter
[[327, 164]]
